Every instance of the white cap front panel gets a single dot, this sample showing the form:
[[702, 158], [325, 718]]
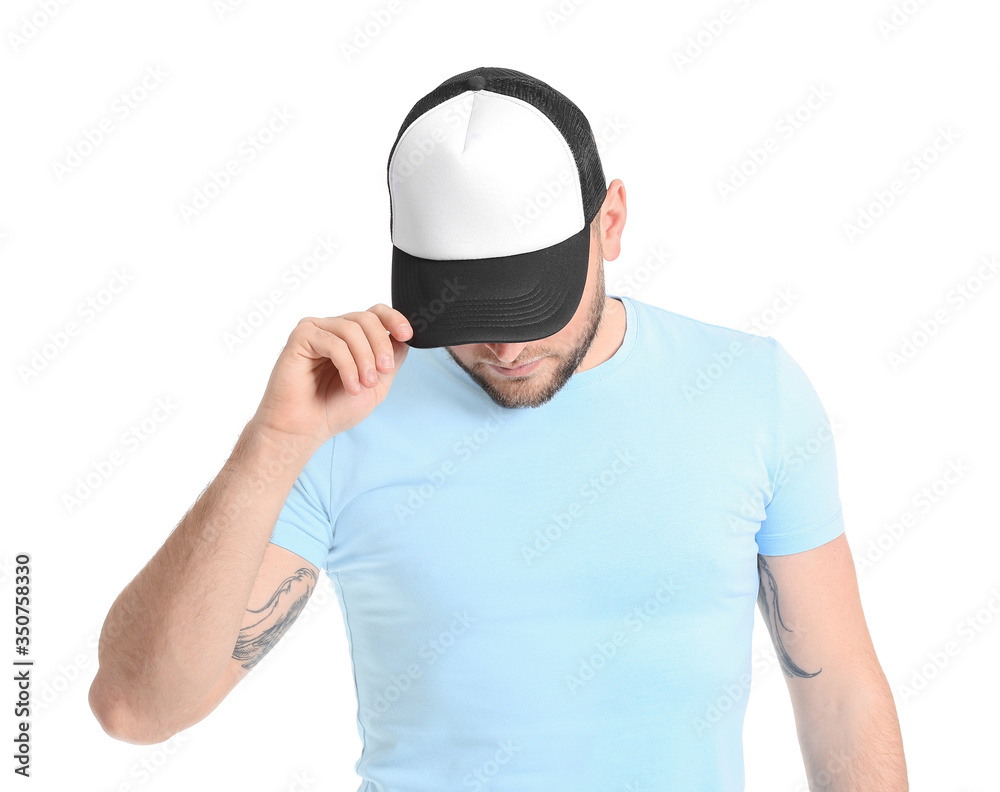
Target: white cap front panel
[[483, 175]]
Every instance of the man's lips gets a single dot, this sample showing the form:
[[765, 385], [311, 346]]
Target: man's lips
[[518, 371]]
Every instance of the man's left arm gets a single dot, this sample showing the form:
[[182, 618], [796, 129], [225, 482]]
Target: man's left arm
[[845, 716]]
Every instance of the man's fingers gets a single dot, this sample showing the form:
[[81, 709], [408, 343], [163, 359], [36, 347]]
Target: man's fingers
[[393, 321], [379, 340], [320, 340], [360, 344], [354, 334]]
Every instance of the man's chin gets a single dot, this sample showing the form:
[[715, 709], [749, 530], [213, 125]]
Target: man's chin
[[532, 390]]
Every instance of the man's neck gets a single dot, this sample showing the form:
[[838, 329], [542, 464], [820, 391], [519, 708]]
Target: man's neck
[[610, 334]]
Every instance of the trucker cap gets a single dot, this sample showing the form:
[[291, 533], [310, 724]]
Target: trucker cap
[[494, 179]]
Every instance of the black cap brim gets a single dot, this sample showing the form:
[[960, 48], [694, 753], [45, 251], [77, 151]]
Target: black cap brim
[[508, 299]]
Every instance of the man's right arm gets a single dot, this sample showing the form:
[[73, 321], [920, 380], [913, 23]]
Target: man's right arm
[[217, 595], [166, 651]]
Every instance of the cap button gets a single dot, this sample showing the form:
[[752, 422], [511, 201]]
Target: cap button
[[477, 82]]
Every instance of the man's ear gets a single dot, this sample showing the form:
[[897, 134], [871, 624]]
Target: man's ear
[[612, 220]]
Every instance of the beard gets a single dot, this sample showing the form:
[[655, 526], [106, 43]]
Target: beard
[[536, 390]]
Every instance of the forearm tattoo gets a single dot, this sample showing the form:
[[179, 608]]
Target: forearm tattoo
[[767, 599], [255, 640]]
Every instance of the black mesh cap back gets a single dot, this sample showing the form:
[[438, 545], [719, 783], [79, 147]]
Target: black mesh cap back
[[565, 116]]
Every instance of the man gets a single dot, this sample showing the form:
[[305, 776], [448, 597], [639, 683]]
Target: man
[[549, 536]]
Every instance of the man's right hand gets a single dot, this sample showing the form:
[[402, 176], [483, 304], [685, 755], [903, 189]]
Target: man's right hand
[[332, 373]]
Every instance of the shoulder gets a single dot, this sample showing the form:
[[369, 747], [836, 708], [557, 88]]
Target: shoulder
[[697, 334]]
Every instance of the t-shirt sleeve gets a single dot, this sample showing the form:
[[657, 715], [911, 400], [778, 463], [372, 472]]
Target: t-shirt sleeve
[[805, 509], [305, 525]]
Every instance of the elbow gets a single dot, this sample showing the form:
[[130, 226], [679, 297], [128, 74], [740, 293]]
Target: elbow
[[117, 718]]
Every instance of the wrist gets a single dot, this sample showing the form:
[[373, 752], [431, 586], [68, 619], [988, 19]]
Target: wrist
[[279, 440], [269, 455]]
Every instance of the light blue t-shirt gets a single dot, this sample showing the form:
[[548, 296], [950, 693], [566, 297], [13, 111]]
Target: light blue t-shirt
[[562, 597]]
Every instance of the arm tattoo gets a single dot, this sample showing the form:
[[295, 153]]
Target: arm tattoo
[[255, 640], [772, 618]]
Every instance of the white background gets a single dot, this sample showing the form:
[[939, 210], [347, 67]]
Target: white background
[[673, 132]]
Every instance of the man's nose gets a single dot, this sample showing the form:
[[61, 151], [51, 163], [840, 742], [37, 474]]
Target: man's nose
[[506, 353]]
